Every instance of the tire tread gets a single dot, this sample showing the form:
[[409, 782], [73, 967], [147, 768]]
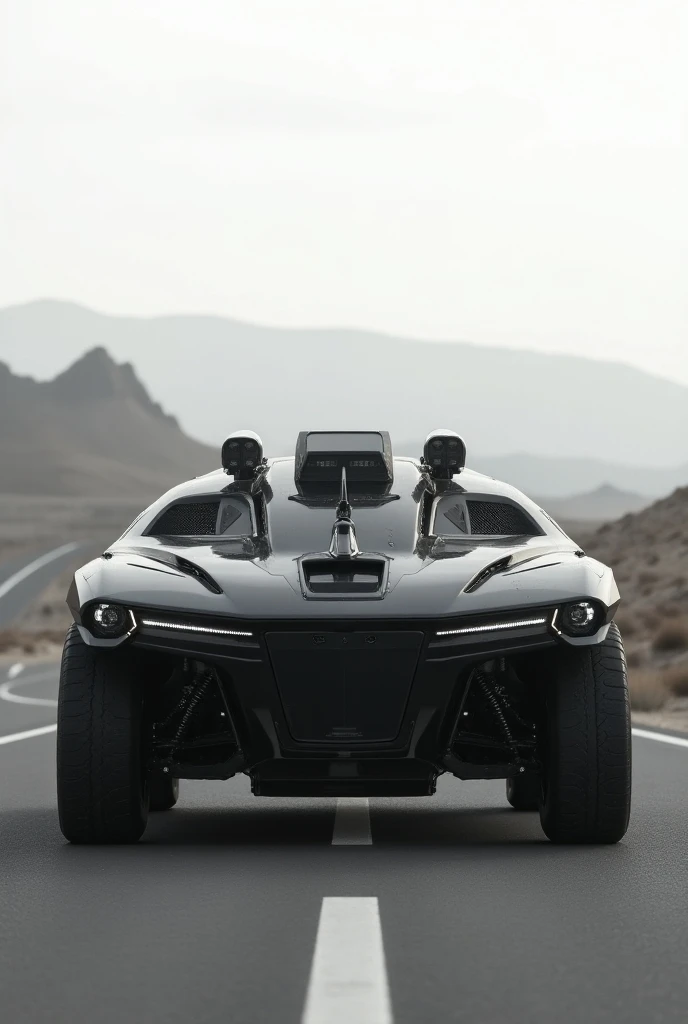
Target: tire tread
[[101, 796], [588, 761]]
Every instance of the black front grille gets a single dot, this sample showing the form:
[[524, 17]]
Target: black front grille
[[498, 518], [344, 688], [188, 519]]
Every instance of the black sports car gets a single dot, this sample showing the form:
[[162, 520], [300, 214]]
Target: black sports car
[[344, 623]]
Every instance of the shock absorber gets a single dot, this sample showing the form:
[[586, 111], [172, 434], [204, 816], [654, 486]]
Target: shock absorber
[[192, 703], [497, 710]]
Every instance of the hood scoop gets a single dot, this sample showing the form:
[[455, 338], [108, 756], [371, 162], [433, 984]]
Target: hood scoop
[[343, 571], [360, 577]]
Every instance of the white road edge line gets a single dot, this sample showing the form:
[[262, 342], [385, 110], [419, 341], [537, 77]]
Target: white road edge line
[[352, 822], [14, 670], [16, 736], [348, 981], [37, 563], [647, 734], [15, 698]]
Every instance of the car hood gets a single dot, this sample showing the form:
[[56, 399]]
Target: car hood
[[441, 578]]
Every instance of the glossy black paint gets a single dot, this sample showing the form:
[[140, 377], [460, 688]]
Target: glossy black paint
[[258, 575], [302, 687]]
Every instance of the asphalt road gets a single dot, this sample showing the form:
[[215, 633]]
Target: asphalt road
[[457, 910], [250, 910]]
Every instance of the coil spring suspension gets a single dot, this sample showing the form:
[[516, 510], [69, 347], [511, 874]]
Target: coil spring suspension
[[179, 708], [194, 699], [497, 710]]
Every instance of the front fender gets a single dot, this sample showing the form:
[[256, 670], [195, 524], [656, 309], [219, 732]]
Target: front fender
[[141, 582]]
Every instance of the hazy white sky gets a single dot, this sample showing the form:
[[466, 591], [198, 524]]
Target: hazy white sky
[[508, 171]]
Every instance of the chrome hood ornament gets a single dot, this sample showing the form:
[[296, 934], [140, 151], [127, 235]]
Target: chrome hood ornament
[[344, 543]]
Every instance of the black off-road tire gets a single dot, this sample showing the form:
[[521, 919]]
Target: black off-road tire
[[587, 750], [102, 790], [523, 791], [164, 791]]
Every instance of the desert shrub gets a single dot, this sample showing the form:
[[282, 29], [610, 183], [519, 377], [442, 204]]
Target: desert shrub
[[626, 623], [652, 619], [634, 658], [27, 641], [648, 690], [9, 639], [676, 679], [652, 558], [672, 635]]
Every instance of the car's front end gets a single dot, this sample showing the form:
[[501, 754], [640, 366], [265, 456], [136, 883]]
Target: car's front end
[[342, 623], [354, 643]]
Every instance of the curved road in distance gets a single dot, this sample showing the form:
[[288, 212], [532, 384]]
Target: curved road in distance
[[457, 910], [24, 577]]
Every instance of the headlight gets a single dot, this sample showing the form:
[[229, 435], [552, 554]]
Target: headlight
[[579, 619], [110, 620]]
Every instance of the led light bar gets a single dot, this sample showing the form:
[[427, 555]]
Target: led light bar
[[492, 627], [193, 629]]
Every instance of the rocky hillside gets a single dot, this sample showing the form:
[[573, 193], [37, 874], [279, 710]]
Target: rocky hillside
[[649, 553], [93, 432]]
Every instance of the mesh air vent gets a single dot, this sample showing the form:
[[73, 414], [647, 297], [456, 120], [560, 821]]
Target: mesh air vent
[[190, 519], [497, 518]]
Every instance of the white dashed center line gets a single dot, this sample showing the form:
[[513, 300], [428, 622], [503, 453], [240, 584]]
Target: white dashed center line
[[352, 822], [348, 981]]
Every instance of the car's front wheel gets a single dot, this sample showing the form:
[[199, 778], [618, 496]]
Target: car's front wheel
[[102, 789], [587, 745]]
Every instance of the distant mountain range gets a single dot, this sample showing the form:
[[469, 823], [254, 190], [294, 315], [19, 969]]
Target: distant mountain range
[[564, 477], [601, 505], [95, 429], [218, 375], [92, 431]]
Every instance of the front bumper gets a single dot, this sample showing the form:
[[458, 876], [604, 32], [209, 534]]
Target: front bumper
[[357, 710], [387, 691]]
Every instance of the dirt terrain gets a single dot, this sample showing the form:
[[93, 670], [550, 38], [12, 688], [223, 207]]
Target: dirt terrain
[[28, 522]]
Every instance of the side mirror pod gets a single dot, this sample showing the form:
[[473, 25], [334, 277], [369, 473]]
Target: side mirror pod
[[444, 454], [242, 454]]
